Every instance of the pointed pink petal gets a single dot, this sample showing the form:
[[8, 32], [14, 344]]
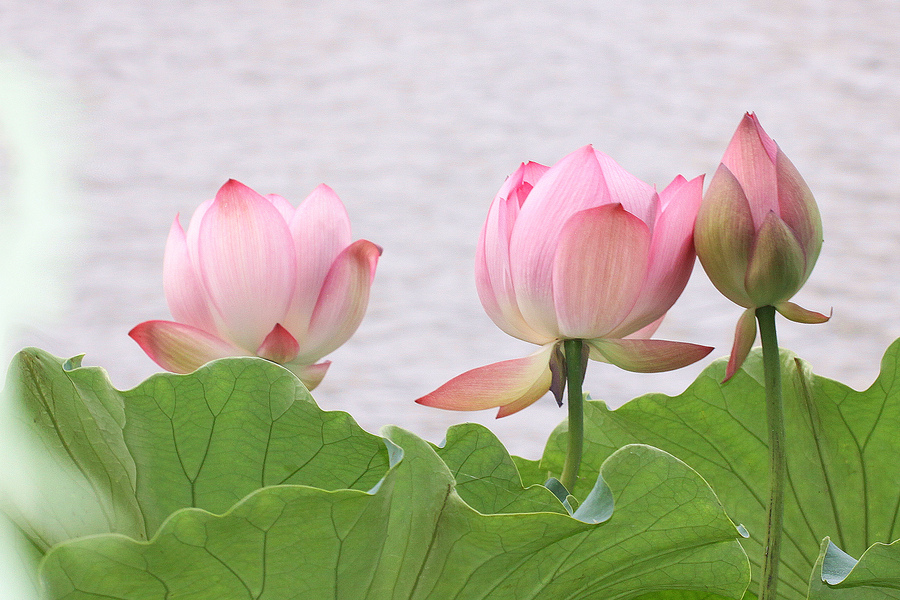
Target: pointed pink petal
[[310, 375], [279, 346], [247, 263], [601, 261], [574, 184], [671, 254], [181, 348], [284, 207], [724, 235], [649, 356], [184, 291], [744, 336], [493, 277], [751, 158], [638, 198], [798, 209], [519, 382], [321, 231], [342, 301], [798, 314]]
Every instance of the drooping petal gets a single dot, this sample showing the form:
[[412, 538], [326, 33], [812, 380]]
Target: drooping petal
[[751, 158], [180, 348], [342, 302], [575, 183], [777, 266], [321, 230], [520, 382], [641, 334], [493, 277], [599, 268], [744, 336], [723, 236], [799, 210], [279, 346], [184, 291], [638, 198], [247, 263], [310, 375], [649, 356], [671, 254], [798, 314]]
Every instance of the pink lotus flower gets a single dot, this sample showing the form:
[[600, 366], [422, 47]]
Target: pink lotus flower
[[758, 232], [582, 250], [255, 277]]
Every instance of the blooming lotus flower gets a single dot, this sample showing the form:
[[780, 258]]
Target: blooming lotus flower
[[253, 276], [582, 250], [758, 232]]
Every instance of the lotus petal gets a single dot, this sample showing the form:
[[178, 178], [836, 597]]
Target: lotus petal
[[180, 348], [518, 382]]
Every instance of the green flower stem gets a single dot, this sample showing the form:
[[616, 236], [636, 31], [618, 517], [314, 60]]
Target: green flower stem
[[574, 350], [775, 414]]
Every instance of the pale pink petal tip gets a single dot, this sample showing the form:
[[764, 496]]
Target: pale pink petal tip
[[511, 385], [180, 348]]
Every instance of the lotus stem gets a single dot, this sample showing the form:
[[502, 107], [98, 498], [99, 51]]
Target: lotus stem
[[775, 415], [575, 367]]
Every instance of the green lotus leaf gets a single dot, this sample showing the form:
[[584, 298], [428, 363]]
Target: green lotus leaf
[[842, 446], [838, 576], [414, 537], [125, 460]]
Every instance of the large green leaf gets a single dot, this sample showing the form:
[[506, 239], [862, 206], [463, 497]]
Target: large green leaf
[[837, 576], [414, 537], [842, 448], [486, 476], [128, 459]]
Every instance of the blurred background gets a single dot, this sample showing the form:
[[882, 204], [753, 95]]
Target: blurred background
[[415, 112]]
